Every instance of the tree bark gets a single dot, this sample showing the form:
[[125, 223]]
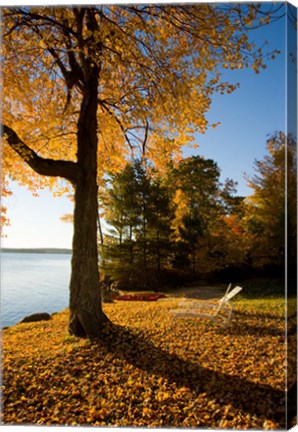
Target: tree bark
[[86, 315], [48, 167], [100, 231]]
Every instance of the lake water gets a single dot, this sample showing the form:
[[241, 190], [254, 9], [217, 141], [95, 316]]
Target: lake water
[[33, 283]]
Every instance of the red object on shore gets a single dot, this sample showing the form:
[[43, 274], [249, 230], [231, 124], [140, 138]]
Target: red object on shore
[[139, 297]]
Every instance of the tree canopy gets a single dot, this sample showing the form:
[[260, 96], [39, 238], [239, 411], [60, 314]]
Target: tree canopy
[[157, 68], [271, 211]]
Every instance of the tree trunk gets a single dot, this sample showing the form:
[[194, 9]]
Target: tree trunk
[[100, 231], [86, 315], [158, 252], [131, 243]]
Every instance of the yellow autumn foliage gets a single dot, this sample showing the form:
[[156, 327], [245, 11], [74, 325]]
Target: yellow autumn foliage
[[158, 66]]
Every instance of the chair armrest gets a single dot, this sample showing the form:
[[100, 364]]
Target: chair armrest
[[194, 305]]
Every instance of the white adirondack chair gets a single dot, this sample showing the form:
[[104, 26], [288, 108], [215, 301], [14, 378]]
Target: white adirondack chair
[[220, 310]]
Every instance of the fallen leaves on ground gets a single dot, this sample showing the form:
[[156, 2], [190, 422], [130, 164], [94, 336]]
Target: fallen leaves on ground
[[149, 369]]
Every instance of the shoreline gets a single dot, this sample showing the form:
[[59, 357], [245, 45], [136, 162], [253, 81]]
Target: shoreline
[[38, 250]]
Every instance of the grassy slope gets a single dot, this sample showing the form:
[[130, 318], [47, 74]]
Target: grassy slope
[[150, 370]]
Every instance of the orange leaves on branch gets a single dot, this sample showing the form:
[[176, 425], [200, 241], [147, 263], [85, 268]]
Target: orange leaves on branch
[[159, 65]]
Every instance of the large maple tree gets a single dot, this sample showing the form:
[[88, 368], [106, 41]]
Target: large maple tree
[[86, 86]]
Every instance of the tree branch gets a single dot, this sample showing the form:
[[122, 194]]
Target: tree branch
[[118, 121], [48, 167], [145, 139]]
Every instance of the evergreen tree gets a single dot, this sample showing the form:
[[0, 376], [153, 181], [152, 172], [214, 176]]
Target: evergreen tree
[[137, 208], [195, 202]]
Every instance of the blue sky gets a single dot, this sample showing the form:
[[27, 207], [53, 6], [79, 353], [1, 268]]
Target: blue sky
[[247, 116]]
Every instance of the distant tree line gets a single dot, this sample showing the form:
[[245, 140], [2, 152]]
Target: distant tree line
[[183, 223]]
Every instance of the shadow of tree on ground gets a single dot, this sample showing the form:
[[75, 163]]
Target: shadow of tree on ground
[[259, 315], [242, 394], [246, 329]]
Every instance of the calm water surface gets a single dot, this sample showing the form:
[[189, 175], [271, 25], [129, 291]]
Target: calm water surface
[[33, 283]]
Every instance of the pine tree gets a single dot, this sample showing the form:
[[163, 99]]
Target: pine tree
[[137, 208]]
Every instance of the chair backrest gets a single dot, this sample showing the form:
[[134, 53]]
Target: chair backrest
[[228, 295], [228, 289], [231, 294], [222, 300]]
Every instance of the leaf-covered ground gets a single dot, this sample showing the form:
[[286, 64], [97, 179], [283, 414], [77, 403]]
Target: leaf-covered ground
[[150, 369]]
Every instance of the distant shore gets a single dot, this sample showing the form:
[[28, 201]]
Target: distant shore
[[37, 250]]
